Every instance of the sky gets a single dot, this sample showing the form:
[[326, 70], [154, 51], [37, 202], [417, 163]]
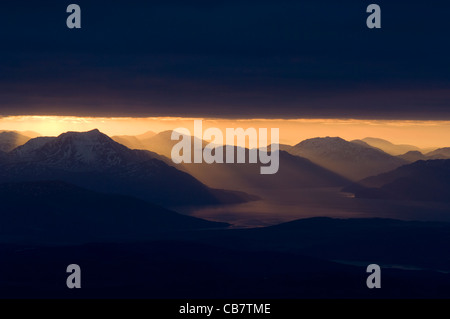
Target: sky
[[425, 134], [226, 59]]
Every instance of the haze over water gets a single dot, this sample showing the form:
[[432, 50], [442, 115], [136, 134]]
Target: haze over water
[[278, 206]]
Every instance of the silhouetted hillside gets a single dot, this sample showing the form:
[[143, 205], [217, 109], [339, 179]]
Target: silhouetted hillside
[[291, 260], [9, 140], [388, 147], [440, 153], [422, 181], [352, 160], [293, 172], [134, 142], [413, 156], [57, 212], [94, 161]]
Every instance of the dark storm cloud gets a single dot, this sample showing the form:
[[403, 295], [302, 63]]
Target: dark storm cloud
[[226, 58]]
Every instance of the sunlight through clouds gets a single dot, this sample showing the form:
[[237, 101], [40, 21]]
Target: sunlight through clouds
[[420, 133]]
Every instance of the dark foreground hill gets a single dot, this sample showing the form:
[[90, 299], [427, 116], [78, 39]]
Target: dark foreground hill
[[313, 258], [57, 212]]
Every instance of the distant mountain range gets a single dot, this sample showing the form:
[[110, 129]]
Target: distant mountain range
[[58, 212], [9, 140], [351, 160], [422, 181], [142, 166], [386, 146], [93, 160], [406, 152], [160, 143], [134, 142], [294, 171], [413, 156], [440, 153]]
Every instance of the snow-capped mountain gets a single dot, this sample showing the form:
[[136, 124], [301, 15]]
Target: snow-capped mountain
[[26, 150], [78, 151], [352, 160], [93, 160]]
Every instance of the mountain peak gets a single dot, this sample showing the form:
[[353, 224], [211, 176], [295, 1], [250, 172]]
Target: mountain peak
[[323, 142], [352, 160], [443, 153], [389, 147], [94, 132], [80, 151]]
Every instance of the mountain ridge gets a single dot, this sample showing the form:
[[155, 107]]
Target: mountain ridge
[[9, 140], [351, 160], [389, 147], [294, 171], [93, 160], [419, 181]]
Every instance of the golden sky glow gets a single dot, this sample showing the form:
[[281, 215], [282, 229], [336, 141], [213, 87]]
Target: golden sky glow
[[420, 133]]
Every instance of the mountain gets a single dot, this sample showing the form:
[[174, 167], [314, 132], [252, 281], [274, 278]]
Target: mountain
[[129, 141], [388, 147], [293, 171], [145, 135], [348, 159], [303, 259], [362, 143], [421, 181], [94, 161], [58, 212], [32, 145], [134, 142], [440, 153], [281, 147], [79, 151], [413, 156], [9, 140], [3, 156], [162, 143]]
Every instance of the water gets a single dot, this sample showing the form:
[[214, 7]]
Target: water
[[278, 206]]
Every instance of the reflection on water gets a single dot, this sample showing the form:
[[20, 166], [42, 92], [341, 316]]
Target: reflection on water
[[391, 266], [278, 206]]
